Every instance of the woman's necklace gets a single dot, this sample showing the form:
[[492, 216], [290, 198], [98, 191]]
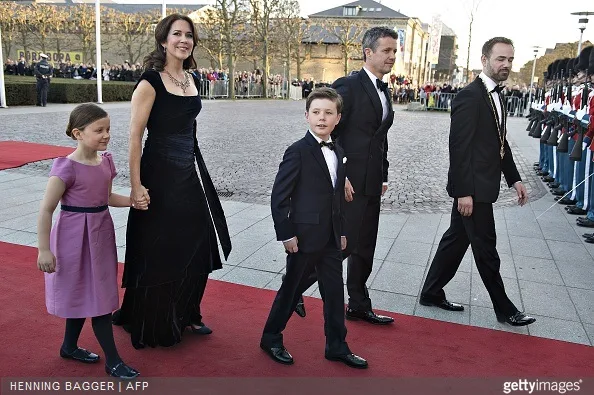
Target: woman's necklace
[[502, 129], [183, 85]]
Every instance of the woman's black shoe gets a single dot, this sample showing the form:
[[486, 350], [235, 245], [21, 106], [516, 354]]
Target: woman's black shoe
[[202, 330], [81, 355], [121, 371]]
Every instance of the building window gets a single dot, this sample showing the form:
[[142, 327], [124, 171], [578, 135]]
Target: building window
[[378, 9], [364, 9], [371, 9], [350, 11]]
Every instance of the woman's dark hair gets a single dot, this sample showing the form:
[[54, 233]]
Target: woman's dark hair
[[156, 59], [84, 115]]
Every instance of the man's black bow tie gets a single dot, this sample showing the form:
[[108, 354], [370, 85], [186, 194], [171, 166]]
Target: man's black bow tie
[[382, 86], [330, 144], [498, 89]]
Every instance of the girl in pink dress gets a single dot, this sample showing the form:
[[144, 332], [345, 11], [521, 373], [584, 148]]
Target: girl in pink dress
[[79, 255]]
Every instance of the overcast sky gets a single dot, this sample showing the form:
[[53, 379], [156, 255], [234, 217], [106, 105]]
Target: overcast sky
[[527, 22]]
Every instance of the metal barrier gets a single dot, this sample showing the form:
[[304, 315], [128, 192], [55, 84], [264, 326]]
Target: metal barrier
[[439, 101], [515, 106], [214, 89], [246, 90], [295, 92], [276, 91]]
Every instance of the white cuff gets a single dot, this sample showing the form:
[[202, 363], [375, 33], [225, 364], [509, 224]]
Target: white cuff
[[284, 241]]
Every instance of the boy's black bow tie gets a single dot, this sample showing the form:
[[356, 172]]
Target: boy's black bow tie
[[498, 89], [382, 86], [330, 144]]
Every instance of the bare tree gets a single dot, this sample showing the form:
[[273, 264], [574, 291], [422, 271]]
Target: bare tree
[[262, 14], [287, 27], [21, 19], [9, 24], [233, 16], [348, 33], [472, 9], [82, 25], [42, 19], [59, 26], [210, 37], [133, 32]]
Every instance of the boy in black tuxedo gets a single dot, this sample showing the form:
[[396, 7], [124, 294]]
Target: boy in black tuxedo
[[306, 203]]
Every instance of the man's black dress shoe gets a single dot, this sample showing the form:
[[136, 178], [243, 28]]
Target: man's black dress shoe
[[444, 304], [518, 319], [588, 235], [278, 354], [121, 371], [589, 240], [548, 179], [352, 360], [584, 221], [558, 192], [576, 210], [81, 355], [368, 316], [554, 185], [566, 201], [300, 308]]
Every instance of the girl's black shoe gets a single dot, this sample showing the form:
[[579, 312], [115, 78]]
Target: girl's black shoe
[[121, 371], [81, 355]]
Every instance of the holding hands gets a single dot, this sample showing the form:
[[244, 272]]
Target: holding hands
[[140, 198]]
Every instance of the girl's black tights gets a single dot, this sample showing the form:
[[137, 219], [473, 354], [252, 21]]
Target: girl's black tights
[[103, 332]]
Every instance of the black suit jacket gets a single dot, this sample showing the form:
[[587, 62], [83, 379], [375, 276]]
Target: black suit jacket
[[362, 134], [475, 162], [303, 201]]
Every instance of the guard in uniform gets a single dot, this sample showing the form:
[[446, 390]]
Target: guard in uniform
[[43, 74]]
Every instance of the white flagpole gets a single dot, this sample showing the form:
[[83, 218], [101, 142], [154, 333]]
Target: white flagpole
[[163, 9], [98, 50], [2, 88]]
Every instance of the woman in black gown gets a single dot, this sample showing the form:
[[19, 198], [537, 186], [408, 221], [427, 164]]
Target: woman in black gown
[[171, 244]]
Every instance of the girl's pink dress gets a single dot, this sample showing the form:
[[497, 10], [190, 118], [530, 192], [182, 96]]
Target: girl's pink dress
[[85, 281]]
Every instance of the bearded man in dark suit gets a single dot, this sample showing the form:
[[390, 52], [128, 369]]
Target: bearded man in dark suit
[[479, 153]]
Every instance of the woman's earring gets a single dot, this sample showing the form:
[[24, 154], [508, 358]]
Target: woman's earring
[[164, 50]]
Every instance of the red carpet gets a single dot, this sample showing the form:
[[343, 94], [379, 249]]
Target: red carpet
[[19, 153], [412, 347]]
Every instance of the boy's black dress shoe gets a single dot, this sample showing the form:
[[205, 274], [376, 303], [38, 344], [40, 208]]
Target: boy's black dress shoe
[[518, 319], [444, 304], [352, 360], [121, 371], [81, 355], [278, 354], [368, 316]]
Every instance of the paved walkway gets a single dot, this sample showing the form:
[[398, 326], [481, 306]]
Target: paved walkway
[[548, 270]]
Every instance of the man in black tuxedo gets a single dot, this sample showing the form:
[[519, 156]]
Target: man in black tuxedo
[[362, 132], [307, 199], [479, 153]]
